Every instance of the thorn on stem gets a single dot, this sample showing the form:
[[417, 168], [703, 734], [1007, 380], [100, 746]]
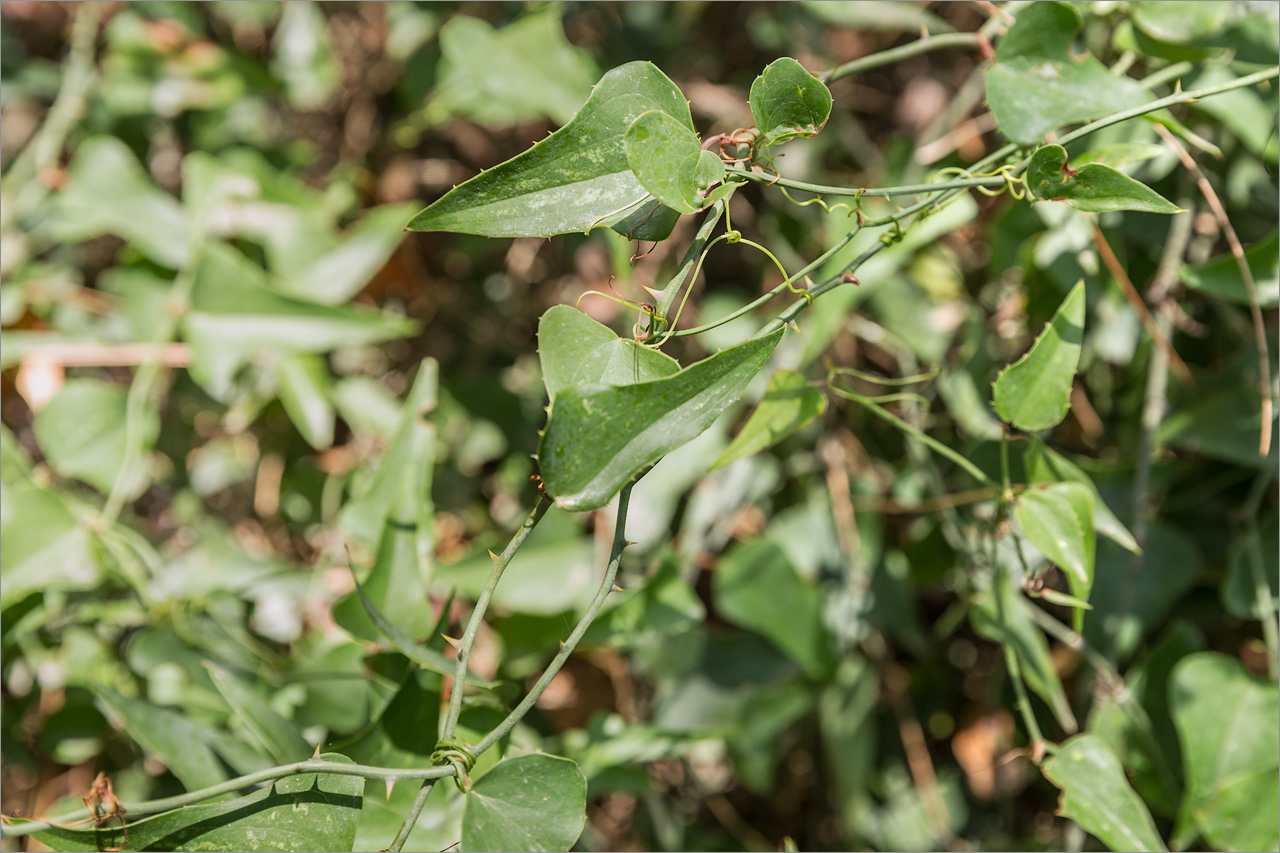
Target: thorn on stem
[[452, 641]]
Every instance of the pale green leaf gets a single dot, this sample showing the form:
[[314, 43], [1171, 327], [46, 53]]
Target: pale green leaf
[[1047, 466], [599, 436], [787, 101], [1228, 722], [168, 736], [1034, 392], [82, 433], [530, 802], [1038, 82], [790, 403], [1058, 519], [279, 737], [669, 162], [576, 350], [1097, 796], [304, 393], [42, 546], [1092, 187]]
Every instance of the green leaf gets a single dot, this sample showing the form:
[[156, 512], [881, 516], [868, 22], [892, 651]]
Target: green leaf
[[1058, 519], [279, 737], [1037, 82], [669, 162], [531, 802], [42, 546], [1047, 466], [1092, 187], [310, 811], [576, 350], [1097, 796], [176, 741], [1221, 276], [787, 101], [1180, 24], [876, 15], [1034, 392], [575, 179], [1005, 620], [82, 433], [665, 604], [756, 587], [304, 393], [790, 403], [524, 71], [599, 436], [342, 272], [107, 192], [235, 314], [1229, 725], [396, 585], [1258, 548]]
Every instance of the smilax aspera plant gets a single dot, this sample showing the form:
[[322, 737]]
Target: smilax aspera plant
[[631, 161]]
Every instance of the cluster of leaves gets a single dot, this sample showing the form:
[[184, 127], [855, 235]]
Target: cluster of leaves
[[175, 611]]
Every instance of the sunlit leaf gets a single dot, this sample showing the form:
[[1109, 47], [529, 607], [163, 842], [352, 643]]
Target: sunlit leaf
[[1034, 392], [83, 433], [279, 737], [1058, 519], [1092, 187], [1096, 795], [790, 403], [669, 162], [531, 802], [787, 101], [576, 350]]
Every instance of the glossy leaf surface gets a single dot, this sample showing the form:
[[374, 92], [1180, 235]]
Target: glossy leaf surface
[[576, 350], [669, 162], [531, 802], [575, 179], [1096, 795], [787, 101], [599, 436], [1093, 187], [790, 403], [1058, 519]]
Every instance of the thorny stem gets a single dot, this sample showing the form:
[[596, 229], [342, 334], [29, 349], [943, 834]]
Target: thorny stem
[[566, 649], [231, 786], [691, 256], [871, 192], [500, 564]]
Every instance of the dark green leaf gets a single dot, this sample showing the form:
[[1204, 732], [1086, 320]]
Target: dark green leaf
[[1092, 187], [790, 403], [305, 812], [1256, 552], [1038, 83], [1096, 795], [598, 437], [756, 587], [1229, 725], [575, 179], [531, 802], [669, 162], [1058, 519], [279, 737], [1034, 392], [787, 101], [172, 738], [576, 350]]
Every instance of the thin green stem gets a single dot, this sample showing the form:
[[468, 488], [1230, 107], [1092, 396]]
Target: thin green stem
[[500, 563], [906, 51], [692, 257], [1265, 603], [139, 405], [567, 647], [867, 192], [931, 442], [1015, 669], [152, 807]]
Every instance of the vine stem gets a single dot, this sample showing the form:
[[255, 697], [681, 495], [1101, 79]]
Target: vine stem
[[691, 257], [152, 807], [906, 51], [500, 563], [866, 192], [931, 442]]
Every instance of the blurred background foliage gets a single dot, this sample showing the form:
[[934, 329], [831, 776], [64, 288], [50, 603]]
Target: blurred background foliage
[[213, 323]]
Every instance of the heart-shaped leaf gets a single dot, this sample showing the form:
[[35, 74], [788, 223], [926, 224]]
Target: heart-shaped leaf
[[790, 403], [1037, 83], [576, 178], [1093, 187], [310, 811], [600, 436], [667, 158], [1096, 795], [530, 802], [1058, 519], [576, 350], [787, 101], [1034, 392]]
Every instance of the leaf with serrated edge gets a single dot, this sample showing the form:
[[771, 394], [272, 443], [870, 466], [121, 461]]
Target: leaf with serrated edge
[[600, 436], [1097, 796], [1034, 392], [575, 179]]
